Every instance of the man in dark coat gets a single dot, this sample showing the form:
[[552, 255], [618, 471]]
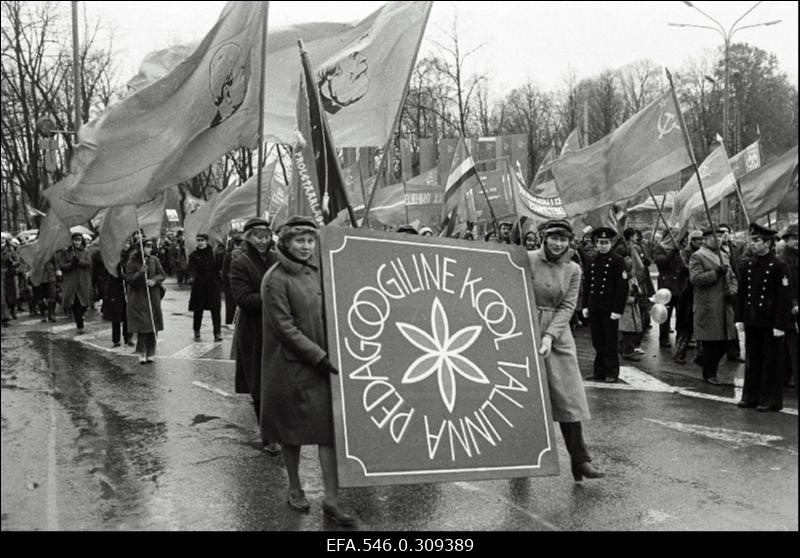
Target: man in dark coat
[[789, 256], [234, 244], [115, 301], [76, 265], [763, 307], [605, 290], [205, 266], [734, 252], [248, 268], [673, 275]]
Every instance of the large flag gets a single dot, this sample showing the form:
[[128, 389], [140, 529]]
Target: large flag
[[53, 236], [646, 148], [718, 181], [747, 160], [462, 177], [119, 222], [769, 187], [532, 206], [361, 69], [174, 129]]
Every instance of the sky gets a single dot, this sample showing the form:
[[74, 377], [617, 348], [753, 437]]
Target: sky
[[517, 41]]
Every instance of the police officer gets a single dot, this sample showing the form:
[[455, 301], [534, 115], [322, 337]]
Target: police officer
[[605, 291], [763, 311]]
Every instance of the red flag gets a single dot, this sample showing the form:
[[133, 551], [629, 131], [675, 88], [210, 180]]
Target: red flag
[[767, 188]]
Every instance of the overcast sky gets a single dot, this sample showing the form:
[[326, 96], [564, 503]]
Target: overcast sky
[[521, 40]]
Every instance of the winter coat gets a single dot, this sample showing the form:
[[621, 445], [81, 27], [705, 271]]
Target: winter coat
[[764, 298], [137, 312], [177, 255], [76, 265], [296, 404], [555, 288], [713, 296], [247, 271], [49, 272], [631, 320], [789, 257], [605, 285], [230, 302], [115, 296], [205, 266], [672, 272], [11, 263]]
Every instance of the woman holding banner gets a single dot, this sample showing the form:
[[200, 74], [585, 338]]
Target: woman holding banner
[[556, 282], [295, 371]]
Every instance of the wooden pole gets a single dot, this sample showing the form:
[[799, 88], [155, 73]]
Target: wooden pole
[[261, 104], [669, 232], [76, 69]]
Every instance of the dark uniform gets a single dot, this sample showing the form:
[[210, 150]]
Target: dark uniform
[[605, 291], [763, 304]]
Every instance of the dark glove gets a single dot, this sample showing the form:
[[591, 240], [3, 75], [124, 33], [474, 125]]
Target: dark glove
[[325, 367], [722, 270]]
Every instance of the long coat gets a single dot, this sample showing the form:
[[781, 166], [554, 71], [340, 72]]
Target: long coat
[[205, 265], [713, 296], [247, 271], [555, 286], [115, 295], [295, 398], [138, 315], [77, 278]]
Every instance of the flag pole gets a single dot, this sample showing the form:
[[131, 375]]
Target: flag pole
[[514, 185], [261, 103], [485, 196], [689, 149], [741, 202], [669, 232], [368, 203]]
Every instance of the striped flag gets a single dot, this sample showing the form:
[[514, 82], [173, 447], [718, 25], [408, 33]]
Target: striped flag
[[718, 181], [463, 176]]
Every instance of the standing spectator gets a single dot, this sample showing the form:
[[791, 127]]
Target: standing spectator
[[789, 257], [556, 281], [76, 266], [232, 250], [295, 370], [715, 286], [247, 270], [605, 290], [204, 267], [734, 252], [671, 275], [144, 275], [115, 301], [684, 315], [763, 310]]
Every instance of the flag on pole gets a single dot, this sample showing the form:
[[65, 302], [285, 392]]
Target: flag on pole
[[646, 148], [532, 206], [174, 129], [361, 69], [718, 181], [462, 177], [747, 160], [121, 221], [772, 186]]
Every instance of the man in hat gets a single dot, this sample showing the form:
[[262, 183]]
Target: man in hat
[[789, 257], [763, 307], [715, 288], [605, 290], [76, 285], [205, 267]]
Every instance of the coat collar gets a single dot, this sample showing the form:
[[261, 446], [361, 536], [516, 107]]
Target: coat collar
[[565, 257], [292, 267]]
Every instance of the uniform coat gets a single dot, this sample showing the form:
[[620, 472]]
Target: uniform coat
[[713, 296], [138, 314], [205, 266], [555, 287], [77, 279], [295, 398], [605, 288], [671, 269], [115, 296], [247, 271]]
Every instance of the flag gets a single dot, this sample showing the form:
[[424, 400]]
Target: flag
[[646, 148], [532, 206], [572, 144], [361, 70], [718, 181], [121, 221], [543, 173], [175, 128], [424, 197], [544, 183], [747, 160], [772, 186], [462, 176], [53, 236], [192, 204]]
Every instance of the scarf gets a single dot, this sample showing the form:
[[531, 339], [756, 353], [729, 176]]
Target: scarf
[[290, 257]]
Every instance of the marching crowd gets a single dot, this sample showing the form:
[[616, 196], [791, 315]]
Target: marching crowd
[[713, 287]]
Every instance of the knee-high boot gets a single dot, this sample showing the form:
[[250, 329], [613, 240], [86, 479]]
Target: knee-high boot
[[578, 452]]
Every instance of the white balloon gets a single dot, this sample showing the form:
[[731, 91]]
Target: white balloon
[[662, 296], [658, 312]]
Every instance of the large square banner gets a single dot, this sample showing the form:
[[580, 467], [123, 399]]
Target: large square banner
[[436, 344]]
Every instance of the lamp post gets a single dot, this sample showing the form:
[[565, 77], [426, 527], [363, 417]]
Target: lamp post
[[726, 37]]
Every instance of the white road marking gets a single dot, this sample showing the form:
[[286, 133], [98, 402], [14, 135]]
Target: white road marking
[[212, 389], [63, 327], [642, 381], [738, 438], [194, 350], [31, 321]]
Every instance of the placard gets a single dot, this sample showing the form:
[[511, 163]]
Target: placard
[[436, 343]]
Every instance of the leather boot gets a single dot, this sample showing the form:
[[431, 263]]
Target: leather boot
[[585, 470]]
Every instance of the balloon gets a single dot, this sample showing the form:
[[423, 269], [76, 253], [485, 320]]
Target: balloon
[[662, 296], [658, 312]]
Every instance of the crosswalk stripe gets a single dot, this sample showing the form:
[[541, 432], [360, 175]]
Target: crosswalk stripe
[[194, 350], [739, 438]]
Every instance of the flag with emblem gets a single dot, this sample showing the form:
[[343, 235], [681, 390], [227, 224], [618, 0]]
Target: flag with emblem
[[718, 181], [771, 187], [644, 149]]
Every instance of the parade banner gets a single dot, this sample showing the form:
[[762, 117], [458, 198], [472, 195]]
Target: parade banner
[[436, 341], [424, 198]]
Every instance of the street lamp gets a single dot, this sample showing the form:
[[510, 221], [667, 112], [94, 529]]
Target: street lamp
[[726, 37]]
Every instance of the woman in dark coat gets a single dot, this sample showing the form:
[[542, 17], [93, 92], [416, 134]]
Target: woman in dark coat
[[205, 266], [296, 404], [247, 271], [144, 275], [115, 301], [76, 284]]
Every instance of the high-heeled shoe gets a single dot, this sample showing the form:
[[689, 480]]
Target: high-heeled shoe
[[338, 515], [585, 469]]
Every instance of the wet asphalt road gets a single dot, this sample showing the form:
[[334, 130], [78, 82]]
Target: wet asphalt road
[[91, 440]]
